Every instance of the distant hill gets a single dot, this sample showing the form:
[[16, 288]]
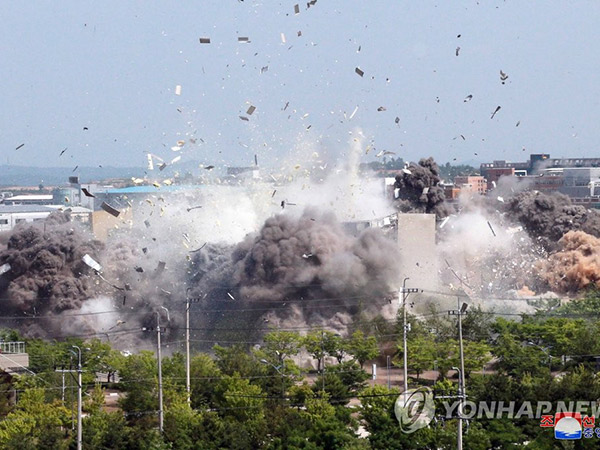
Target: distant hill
[[50, 176], [34, 176]]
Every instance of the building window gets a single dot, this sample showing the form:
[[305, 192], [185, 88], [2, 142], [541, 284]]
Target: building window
[[3, 221], [20, 220]]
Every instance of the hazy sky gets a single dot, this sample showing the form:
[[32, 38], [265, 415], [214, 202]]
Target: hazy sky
[[112, 66]]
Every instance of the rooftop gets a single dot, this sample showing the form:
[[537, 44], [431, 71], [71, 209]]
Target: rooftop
[[10, 209]]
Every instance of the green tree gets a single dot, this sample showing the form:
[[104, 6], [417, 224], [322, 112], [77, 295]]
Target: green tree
[[363, 348]]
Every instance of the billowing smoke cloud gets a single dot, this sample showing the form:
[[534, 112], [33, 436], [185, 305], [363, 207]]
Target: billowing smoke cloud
[[299, 261], [548, 217], [576, 264], [418, 189], [46, 266]]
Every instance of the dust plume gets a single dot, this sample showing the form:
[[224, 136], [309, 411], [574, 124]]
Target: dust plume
[[548, 217], [418, 189], [575, 265]]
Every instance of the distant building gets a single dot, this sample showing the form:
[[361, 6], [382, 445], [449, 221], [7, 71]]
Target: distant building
[[29, 199], [13, 357], [12, 215], [473, 184]]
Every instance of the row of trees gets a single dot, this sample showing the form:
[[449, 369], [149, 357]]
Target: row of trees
[[245, 398]]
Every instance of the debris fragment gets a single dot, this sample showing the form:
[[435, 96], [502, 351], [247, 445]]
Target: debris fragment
[[468, 98], [230, 296], [197, 250], [4, 268], [381, 108], [296, 9], [139, 269], [359, 72], [147, 223], [282, 38], [90, 262], [496, 110], [244, 118], [193, 207], [205, 40], [457, 50], [397, 120], [209, 167], [178, 90], [161, 267], [250, 110], [503, 77], [243, 39], [87, 193], [353, 112], [174, 160], [150, 162], [500, 199], [18, 147], [490, 225], [162, 167], [109, 209]]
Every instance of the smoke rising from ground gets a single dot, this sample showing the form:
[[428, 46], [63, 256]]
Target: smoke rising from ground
[[547, 218]]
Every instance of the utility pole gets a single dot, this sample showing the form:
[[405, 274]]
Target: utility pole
[[79, 387], [404, 292], [188, 300], [461, 311], [160, 384]]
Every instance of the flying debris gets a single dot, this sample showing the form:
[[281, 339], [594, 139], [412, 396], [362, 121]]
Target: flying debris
[[209, 167], [468, 98], [296, 9], [503, 77], [178, 90], [495, 111], [282, 38], [109, 209], [150, 162], [4, 268], [518, 123], [18, 147], [91, 263], [193, 207], [139, 269], [359, 72], [64, 150], [230, 296], [381, 108], [353, 113], [243, 39], [87, 193], [397, 120], [244, 118], [205, 40], [490, 225], [251, 110], [457, 50]]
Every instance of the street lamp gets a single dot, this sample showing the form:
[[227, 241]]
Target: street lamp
[[277, 369]]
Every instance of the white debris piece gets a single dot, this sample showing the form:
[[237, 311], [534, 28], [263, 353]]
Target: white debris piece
[[4, 268], [92, 263]]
